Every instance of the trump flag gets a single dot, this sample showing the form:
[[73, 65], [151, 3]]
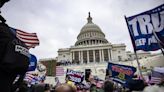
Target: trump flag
[[147, 29], [121, 73]]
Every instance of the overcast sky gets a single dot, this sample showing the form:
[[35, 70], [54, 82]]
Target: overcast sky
[[58, 22]]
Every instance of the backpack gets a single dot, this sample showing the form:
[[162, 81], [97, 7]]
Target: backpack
[[14, 55]]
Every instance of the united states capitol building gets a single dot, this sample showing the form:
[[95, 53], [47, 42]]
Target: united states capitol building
[[92, 46], [92, 51]]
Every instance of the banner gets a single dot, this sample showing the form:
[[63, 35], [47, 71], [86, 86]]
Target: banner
[[121, 73], [143, 26], [59, 71], [159, 69], [156, 77], [75, 76], [33, 63]]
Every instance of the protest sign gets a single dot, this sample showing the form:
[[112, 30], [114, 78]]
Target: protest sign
[[75, 76], [121, 73]]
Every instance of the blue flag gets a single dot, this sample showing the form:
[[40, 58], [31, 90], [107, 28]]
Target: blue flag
[[146, 28], [121, 73], [33, 63]]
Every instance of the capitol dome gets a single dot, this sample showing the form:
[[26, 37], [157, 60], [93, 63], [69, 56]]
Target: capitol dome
[[90, 34]]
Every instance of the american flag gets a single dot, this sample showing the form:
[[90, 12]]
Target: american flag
[[30, 39], [59, 71], [155, 80], [156, 77], [31, 78]]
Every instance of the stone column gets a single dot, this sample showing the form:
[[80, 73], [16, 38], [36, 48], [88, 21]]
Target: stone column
[[82, 57], [79, 57], [94, 59], [109, 56], [73, 55], [87, 56], [102, 55], [89, 42]]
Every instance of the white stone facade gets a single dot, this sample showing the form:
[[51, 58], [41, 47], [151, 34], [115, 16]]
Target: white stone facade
[[92, 46], [64, 55], [131, 56], [99, 69]]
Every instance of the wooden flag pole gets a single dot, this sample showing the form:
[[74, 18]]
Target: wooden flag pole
[[134, 48]]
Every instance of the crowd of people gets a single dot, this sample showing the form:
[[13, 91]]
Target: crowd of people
[[74, 62], [67, 62], [64, 63], [93, 85], [14, 63]]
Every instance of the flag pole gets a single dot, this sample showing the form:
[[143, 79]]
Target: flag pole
[[134, 48], [138, 63]]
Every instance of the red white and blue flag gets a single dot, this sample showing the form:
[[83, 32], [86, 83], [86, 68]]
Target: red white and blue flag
[[31, 78], [59, 71], [30, 39], [156, 77], [155, 80]]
